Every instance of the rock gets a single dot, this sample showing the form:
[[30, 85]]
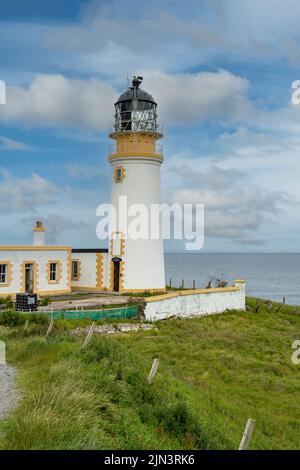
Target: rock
[[8, 393], [110, 329]]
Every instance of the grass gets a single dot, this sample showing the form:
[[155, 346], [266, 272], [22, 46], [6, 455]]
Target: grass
[[215, 373]]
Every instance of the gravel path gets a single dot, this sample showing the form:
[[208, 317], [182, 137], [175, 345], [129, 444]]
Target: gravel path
[[8, 394], [85, 303]]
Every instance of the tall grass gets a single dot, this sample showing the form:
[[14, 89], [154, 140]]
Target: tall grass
[[214, 374]]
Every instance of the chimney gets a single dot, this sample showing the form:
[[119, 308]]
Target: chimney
[[39, 234]]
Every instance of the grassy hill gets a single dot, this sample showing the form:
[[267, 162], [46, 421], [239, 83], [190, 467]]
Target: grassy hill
[[214, 374]]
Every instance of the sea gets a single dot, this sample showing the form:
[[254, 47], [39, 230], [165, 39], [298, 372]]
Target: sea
[[267, 275]]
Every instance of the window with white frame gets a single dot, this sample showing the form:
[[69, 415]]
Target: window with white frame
[[53, 272], [3, 274], [75, 270]]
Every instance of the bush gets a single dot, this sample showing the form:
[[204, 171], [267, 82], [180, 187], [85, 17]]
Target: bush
[[10, 318], [45, 301], [7, 301]]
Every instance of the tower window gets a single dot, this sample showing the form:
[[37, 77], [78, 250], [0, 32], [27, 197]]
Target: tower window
[[119, 174]]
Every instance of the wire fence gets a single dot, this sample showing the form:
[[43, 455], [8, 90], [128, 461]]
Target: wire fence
[[109, 313]]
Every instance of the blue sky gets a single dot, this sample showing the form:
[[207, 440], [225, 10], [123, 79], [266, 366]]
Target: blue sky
[[221, 72]]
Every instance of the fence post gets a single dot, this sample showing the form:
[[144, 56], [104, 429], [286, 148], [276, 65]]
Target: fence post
[[26, 325], [153, 371], [170, 283], [182, 286], [246, 438], [89, 335], [194, 286], [283, 300], [50, 327]]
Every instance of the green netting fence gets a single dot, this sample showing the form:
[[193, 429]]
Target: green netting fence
[[122, 312]]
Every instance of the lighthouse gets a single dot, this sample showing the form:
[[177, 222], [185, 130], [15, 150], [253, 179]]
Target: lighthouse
[[136, 261]]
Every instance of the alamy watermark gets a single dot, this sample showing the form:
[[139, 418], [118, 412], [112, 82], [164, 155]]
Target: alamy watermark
[[296, 93], [2, 353], [152, 222], [2, 92], [296, 355]]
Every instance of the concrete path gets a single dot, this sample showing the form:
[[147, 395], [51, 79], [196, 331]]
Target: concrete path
[[85, 303], [8, 394]]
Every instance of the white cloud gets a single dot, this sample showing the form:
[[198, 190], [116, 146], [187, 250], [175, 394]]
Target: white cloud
[[55, 101], [200, 97], [18, 194], [235, 207], [86, 172], [10, 144]]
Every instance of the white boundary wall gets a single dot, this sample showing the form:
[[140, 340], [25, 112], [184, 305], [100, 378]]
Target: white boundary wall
[[198, 302]]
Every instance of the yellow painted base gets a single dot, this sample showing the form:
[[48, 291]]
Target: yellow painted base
[[88, 289], [137, 291], [40, 293]]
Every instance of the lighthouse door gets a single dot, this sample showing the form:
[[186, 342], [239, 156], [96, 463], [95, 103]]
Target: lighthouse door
[[116, 284]]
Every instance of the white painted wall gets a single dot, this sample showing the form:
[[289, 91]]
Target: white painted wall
[[183, 304], [88, 265], [88, 270], [144, 259], [16, 258], [39, 238]]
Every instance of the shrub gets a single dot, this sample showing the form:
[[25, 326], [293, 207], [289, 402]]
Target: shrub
[[7, 301], [10, 318], [45, 301]]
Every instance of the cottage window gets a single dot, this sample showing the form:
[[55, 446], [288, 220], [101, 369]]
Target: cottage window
[[75, 270], [3, 273], [53, 272]]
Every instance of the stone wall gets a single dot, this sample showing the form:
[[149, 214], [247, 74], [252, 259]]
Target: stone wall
[[199, 302]]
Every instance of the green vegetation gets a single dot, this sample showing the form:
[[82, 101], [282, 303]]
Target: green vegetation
[[215, 373], [7, 302], [45, 301]]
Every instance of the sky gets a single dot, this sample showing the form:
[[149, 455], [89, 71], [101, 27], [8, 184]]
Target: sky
[[221, 72]]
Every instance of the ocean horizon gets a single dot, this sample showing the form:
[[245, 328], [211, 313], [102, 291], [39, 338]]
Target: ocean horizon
[[267, 275]]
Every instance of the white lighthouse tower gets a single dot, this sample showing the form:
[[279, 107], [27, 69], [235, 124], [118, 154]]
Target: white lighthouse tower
[[136, 264]]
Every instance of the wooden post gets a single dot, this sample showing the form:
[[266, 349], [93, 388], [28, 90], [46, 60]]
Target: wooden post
[[246, 438], [194, 286], [89, 335], [26, 325], [170, 283], [182, 286], [153, 371], [283, 300], [50, 327]]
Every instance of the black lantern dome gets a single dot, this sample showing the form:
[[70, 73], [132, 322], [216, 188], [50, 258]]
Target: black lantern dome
[[135, 110]]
